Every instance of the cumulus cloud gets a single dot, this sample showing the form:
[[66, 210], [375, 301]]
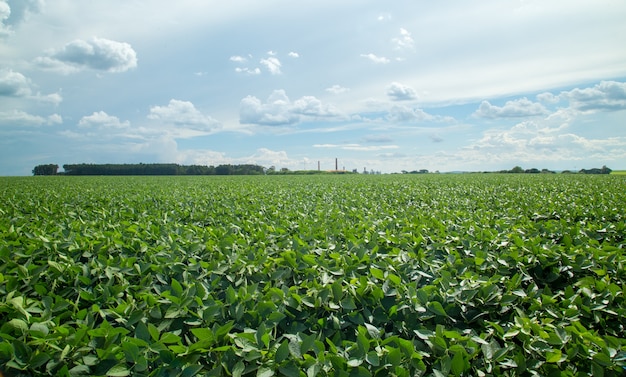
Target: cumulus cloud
[[280, 110], [183, 114], [5, 13], [272, 64], [406, 114], [375, 58], [404, 41], [547, 97], [540, 141], [511, 109], [13, 84], [13, 12], [293, 54], [98, 54], [606, 96], [20, 9], [21, 118], [400, 92], [100, 119]]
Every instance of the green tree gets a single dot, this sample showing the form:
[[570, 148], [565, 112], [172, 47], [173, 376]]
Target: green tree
[[46, 169]]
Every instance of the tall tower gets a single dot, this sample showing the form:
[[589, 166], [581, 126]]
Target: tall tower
[[336, 164]]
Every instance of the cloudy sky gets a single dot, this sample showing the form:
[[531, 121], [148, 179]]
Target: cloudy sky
[[386, 86]]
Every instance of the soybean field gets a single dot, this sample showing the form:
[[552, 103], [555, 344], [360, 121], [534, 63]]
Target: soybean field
[[330, 275]]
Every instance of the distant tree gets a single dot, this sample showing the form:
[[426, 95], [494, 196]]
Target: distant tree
[[603, 170], [48, 169], [516, 170], [532, 171]]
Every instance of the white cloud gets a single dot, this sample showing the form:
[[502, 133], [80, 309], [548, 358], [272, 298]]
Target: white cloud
[[400, 92], [238, 59], [607, 95], [406, 114], [5, 13], [53, 98], [20, 9], [55, 119], [100, 119], [404, 41], [98, 53], [540, 142], [548, 97], [249, 71], [337, 89], [272, 64], [21, 118], [183, 114], [280, 110], [13, 84], [511, 109], [13, 12], [375, 58], [268, 157], [294, 54]]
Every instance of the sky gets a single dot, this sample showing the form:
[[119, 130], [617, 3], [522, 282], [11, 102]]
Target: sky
[[379, 86]]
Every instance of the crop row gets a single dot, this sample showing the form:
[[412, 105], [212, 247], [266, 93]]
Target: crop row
[[336, 275]]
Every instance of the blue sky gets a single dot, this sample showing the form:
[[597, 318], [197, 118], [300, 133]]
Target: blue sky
[[385, 86]]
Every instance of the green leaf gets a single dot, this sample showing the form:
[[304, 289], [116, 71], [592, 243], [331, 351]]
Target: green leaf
[[203, 333], [282, 352], [169, 338], [307, 343], [372, 358], [294, 347], [80, 370], [177, 289], [394, 357], [553, 356], [437, 308], [377, 273], [131, 351], [348, 303], [373, 331], [141, 331], [395, 279], [154, 332], [238, 369], [459, 365], [289, 370], [191, 370], [264, 372], [119, 370]]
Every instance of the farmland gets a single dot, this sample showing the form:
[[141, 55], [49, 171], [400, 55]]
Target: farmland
[[481, 275]]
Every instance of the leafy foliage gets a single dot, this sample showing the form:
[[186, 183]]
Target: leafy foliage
[[313, 275]]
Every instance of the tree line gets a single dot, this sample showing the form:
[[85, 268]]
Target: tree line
[[519, 170], [148, 169]]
